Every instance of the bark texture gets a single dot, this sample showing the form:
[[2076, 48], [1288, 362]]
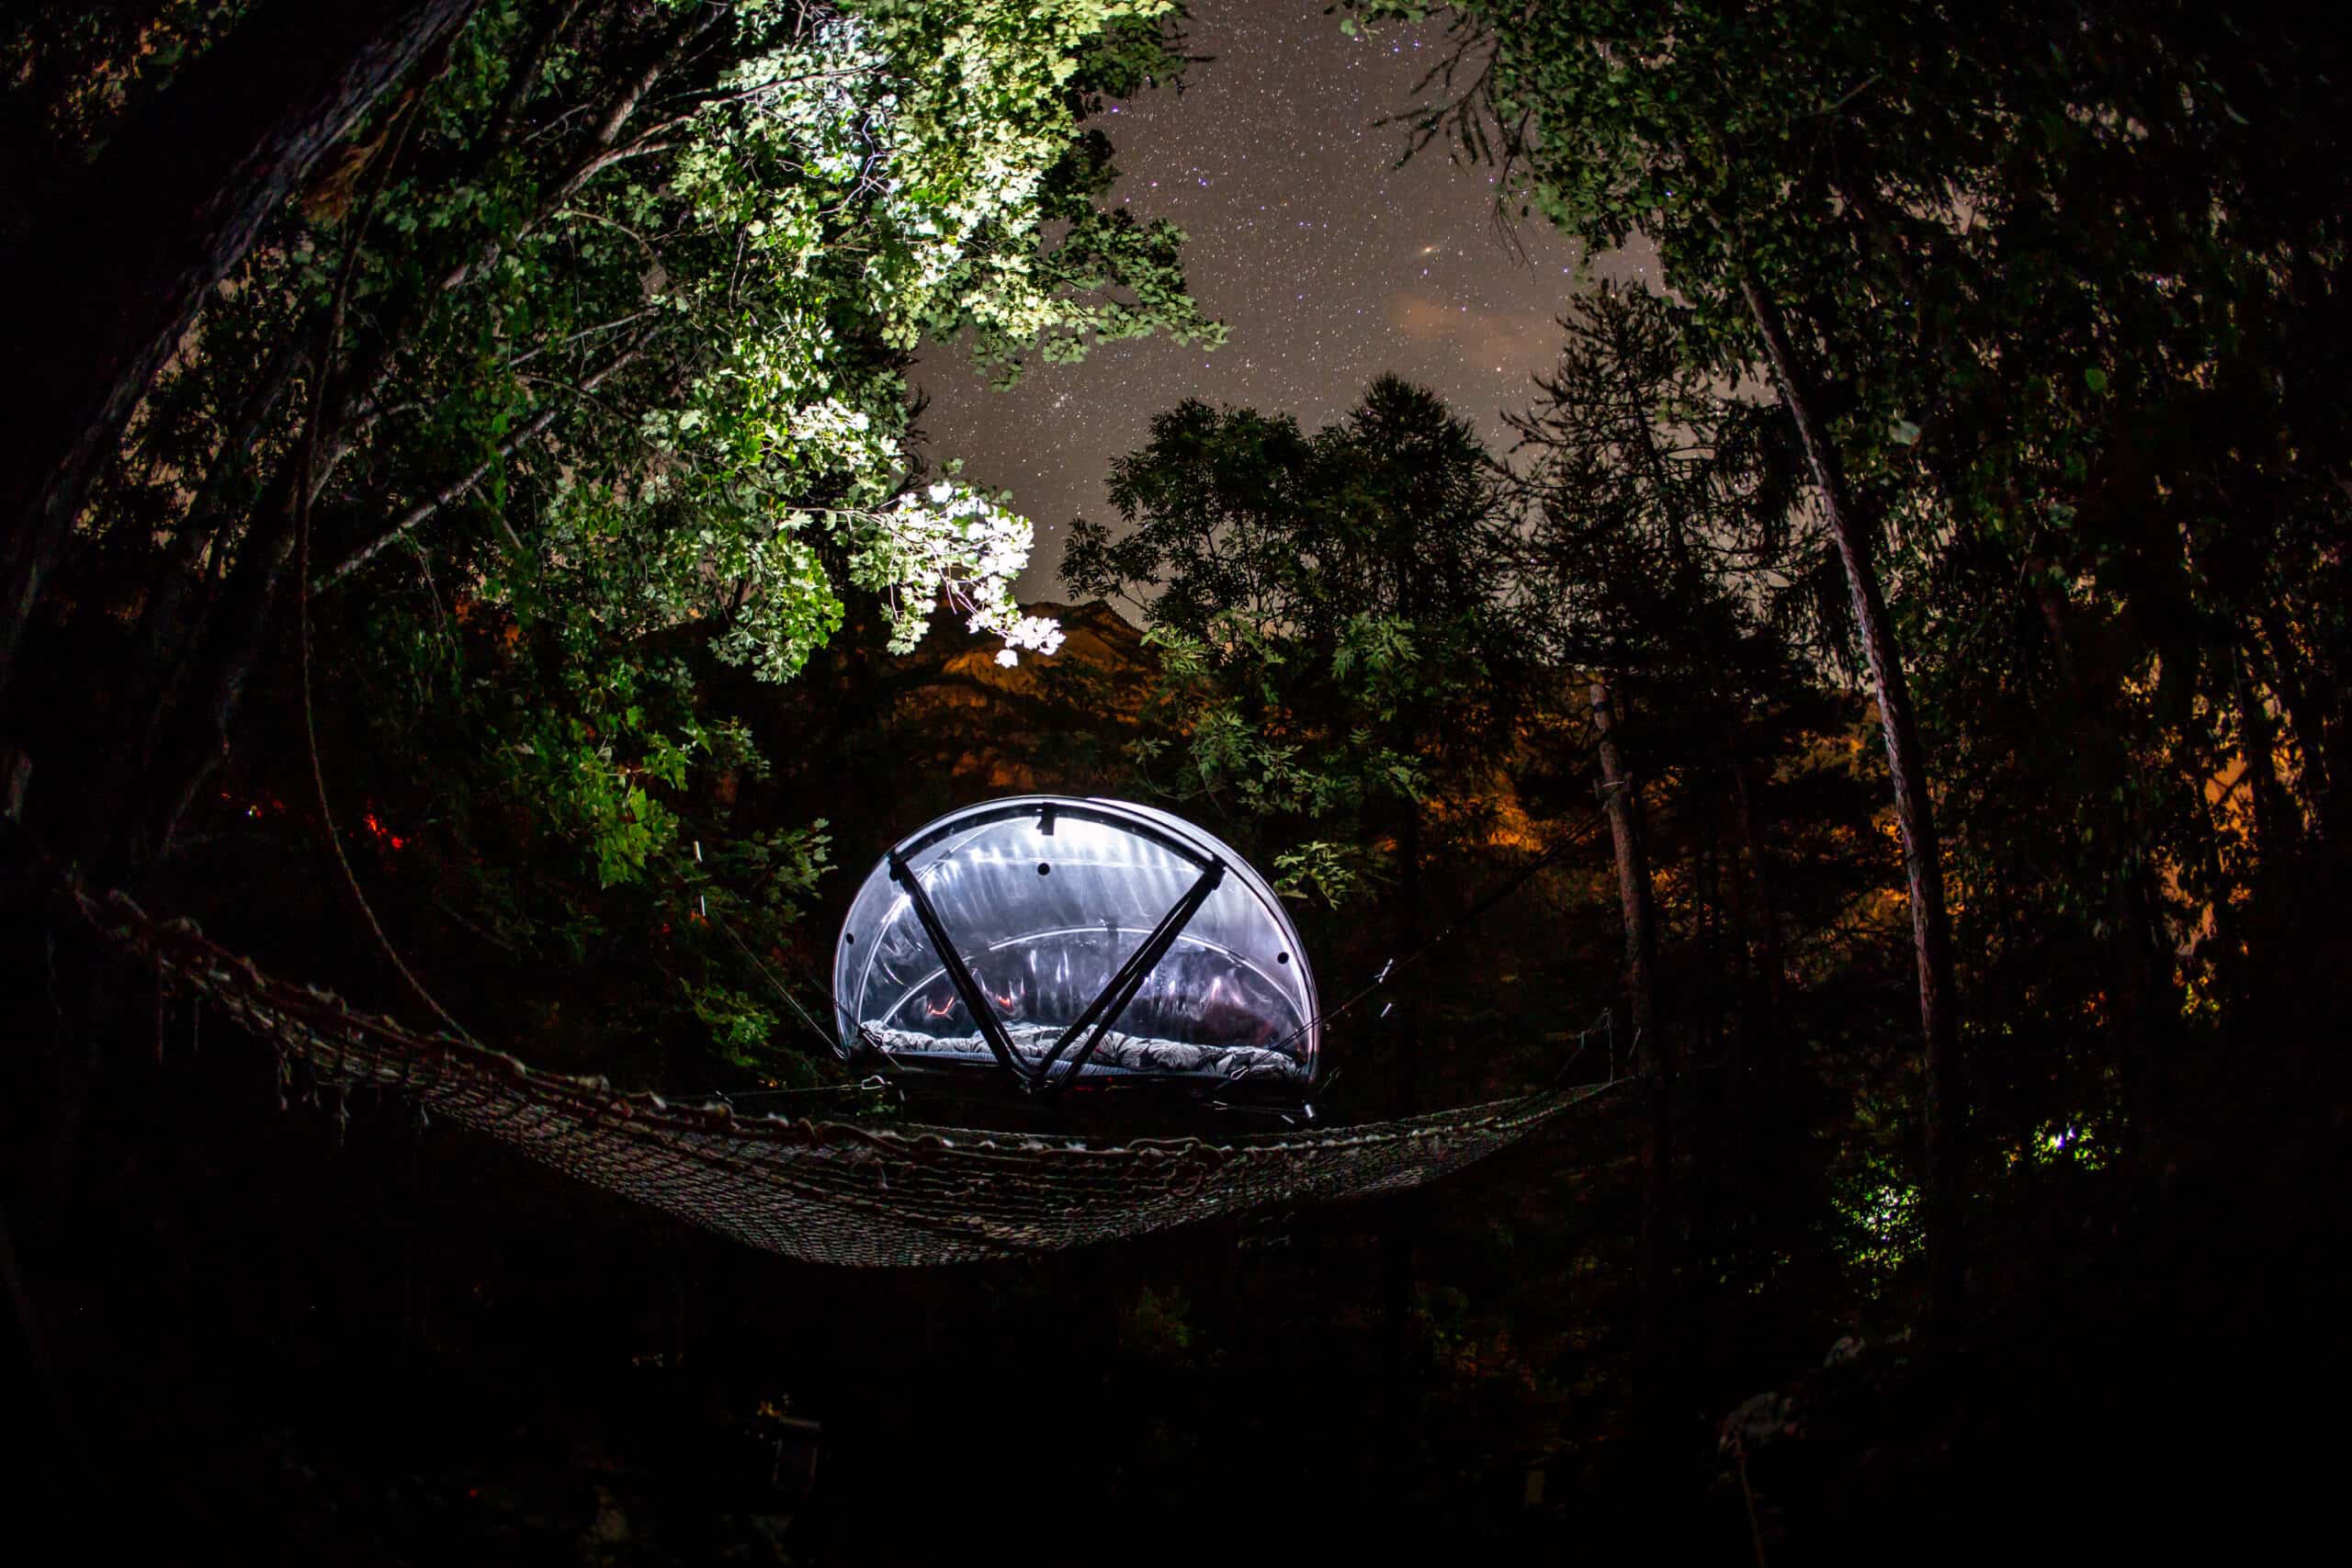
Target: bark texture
[[1906, 765]]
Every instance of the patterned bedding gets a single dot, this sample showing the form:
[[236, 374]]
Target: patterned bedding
[[1117, 1054]]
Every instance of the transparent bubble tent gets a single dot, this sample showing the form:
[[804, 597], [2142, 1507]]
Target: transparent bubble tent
[[1096, 942]]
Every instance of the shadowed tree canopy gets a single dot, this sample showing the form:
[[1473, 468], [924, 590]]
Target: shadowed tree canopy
[[584, 346], [1328, 609], [122, 251], [2018, 278], [466, 526]]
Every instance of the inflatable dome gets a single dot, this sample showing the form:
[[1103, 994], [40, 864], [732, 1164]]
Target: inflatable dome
[[1064, 940]]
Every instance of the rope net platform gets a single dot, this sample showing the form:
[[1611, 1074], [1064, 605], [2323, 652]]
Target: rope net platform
[[828, 1193]]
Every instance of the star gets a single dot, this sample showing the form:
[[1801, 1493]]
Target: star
[[1273, 163]]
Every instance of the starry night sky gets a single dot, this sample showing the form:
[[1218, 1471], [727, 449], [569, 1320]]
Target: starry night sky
[[1329, 264]]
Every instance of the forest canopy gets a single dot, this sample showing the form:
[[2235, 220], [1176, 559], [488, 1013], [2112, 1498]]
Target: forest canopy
[[467, 535], [595, 330]]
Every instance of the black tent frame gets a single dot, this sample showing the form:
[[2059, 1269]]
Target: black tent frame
[[1112, 1000]]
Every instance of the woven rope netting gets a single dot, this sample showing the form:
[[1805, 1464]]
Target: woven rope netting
[[827, 1191]]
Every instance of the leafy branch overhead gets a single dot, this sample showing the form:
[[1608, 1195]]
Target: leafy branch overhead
[[633, 292]]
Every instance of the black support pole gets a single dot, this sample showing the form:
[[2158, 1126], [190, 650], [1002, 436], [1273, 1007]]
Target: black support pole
[[958, 974], [1112, 999]]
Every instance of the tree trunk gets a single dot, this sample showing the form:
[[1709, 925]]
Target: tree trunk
[[1906, 765], [1691, 584], [2274, 816], [2147, 1011], [1771, 968], [1622, 802], [2306, 719], [109, 282], [1398, 1237], [1706, 894]]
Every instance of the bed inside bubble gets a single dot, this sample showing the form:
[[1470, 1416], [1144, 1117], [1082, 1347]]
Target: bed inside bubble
[[1118, 1056]]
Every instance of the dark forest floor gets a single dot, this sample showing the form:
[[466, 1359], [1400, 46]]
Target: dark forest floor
[[280, 1340], [277, 1339]]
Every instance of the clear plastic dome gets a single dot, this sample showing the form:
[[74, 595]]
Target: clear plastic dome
[[1101, 940]]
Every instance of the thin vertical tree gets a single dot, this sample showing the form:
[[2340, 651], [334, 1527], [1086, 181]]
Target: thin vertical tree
[[1691, 125], [1944, 1177], [1646, 499], [1620, 799]]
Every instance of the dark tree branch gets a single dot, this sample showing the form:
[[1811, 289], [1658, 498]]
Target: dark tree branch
[[110, 281], [456, 489]]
